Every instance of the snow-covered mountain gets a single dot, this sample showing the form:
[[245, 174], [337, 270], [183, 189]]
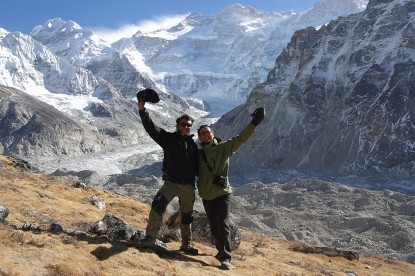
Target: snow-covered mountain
[[216, 59], [221, 58], [76, 72], [340, 99], [61, 58], [93, 82]]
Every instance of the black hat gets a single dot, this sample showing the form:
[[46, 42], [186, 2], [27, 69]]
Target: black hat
[[148, 95]]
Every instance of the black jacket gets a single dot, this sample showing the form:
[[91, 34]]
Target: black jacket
[[180, 152]]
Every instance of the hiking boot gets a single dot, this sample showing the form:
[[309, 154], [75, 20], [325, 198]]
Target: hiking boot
[[225, 265], [154, 243], [188, 248]]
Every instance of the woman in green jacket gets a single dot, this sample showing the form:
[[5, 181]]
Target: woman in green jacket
[[213, 183]]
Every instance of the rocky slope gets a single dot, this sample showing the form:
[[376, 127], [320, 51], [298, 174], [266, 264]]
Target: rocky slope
[[40, 132], [310, 210], [36, 201]]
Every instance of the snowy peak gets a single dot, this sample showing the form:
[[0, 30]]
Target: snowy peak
[[322, 12], [340, 5], [238, 12], [3, 33], [193, 20], [56, 25], [68, 40], [248, 18], [29, 65]]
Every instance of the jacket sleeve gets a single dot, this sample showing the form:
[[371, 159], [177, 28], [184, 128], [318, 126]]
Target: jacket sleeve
[[155, 132], [233, 144]]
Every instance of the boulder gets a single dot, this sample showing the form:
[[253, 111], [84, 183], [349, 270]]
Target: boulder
[[4, 212], [114, 228]]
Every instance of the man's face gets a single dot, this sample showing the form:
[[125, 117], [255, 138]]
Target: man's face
[[206, 135], [184, 126]]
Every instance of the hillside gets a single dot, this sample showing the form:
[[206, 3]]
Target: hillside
[[39, 200]]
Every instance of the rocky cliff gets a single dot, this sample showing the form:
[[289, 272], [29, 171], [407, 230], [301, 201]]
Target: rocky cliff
[[339, 100]]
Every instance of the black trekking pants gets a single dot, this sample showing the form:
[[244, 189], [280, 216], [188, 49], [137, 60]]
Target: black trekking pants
[[218, 211]]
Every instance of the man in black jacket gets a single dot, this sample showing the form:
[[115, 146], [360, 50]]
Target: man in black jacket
[[179, 171]]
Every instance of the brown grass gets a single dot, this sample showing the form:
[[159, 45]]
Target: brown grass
[[41, 200]]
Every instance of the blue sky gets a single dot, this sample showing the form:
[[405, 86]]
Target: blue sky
[[122, 15]]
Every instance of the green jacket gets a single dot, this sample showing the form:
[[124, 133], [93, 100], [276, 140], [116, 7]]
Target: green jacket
[[217, 154]]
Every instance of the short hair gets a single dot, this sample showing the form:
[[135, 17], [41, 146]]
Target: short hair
[[186, 117], [200, 128]]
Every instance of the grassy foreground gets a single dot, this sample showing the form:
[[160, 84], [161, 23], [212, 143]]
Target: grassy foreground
[[40, 200]]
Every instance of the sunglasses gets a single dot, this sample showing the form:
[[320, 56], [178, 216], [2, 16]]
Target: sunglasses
[[185, 125]]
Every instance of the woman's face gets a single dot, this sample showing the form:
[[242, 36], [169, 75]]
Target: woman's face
[[206, 135]]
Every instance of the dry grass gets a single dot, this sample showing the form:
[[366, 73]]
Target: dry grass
[[40, 200]]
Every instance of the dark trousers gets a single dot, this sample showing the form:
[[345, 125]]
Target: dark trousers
[[218, 211]]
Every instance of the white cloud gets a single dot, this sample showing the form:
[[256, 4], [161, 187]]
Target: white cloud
[[112, 35], [128, 30]]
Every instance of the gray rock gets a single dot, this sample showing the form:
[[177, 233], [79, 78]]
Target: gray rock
[[4, 212], [98, 203], [56, 228], [114, 228]]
